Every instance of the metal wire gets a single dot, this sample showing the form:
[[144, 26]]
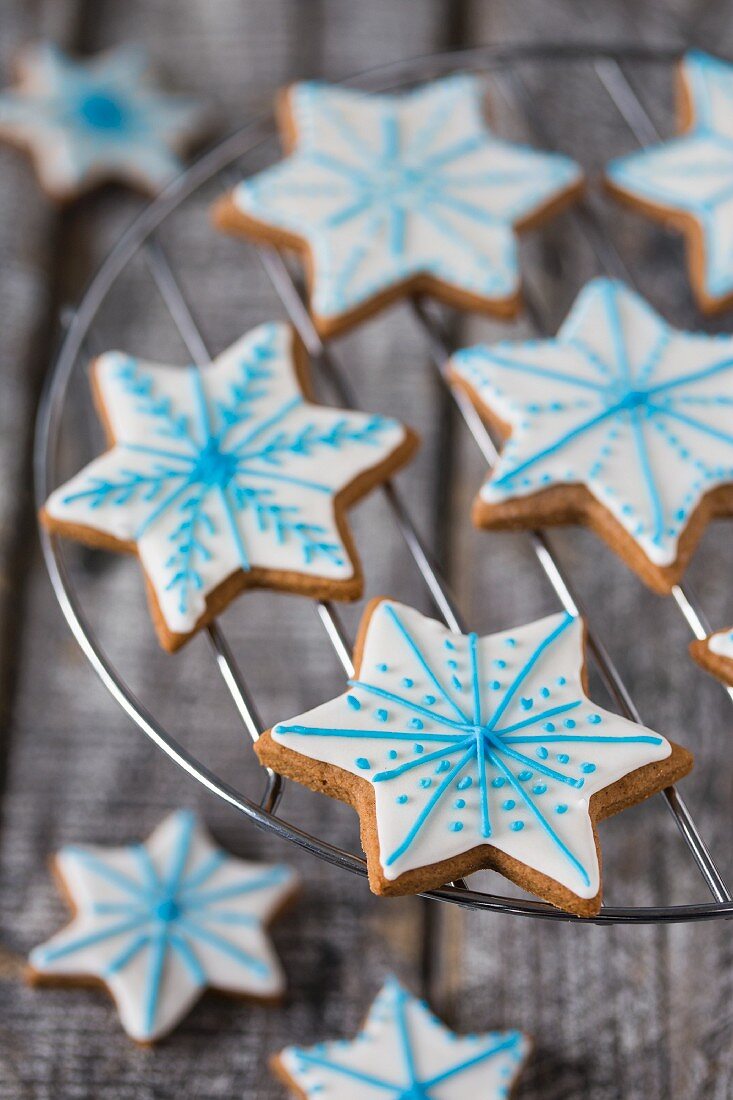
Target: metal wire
[[139, 235]]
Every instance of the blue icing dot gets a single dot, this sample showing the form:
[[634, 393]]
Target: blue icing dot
[[498, 663], [524, 775], [539, 788], [526, 704], [561, 808], [516, 826], [542, 752], [353, 702], [452, 664], [561, 681], [495, 685], [428, 700], [510, 642], [418, 749], [407, 682], [401, 798], [456, 683], [464, 784], [508, 804], [443, 766], [392, 754], [569, 723], [362, 762], [594, 719], [425, 783], [498, 782], [102, 112], [545, 693], [448, 644], [587, 768], [416, 724], [460, 803], [381, 667], [381, 714], [455, 826], [563, 758], [549, 727]]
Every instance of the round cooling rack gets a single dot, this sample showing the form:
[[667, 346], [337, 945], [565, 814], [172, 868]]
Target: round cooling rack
[[610, 66]]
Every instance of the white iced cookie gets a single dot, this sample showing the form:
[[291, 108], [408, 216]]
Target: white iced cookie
[[394, 194], [621, 422], [87, 122], [403, 1052], [687, 181], [460, 752], [715, 654], [159, 922], [226, 478]]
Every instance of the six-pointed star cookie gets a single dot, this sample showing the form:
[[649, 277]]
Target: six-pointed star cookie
[[226, 478], [403, 1052], [620, 422], [389, 195], [86, 122], [460, 752], [688, 181], [715, 654], [159, 922]]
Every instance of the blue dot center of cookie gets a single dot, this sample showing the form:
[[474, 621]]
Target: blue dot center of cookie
[[168, 910], [102, 112], [215, 467]]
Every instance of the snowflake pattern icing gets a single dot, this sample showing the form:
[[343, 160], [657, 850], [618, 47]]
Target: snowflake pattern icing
[[404, 1052], [159, 922], [470, 740], [221, 469], [85, 121], [620, 402], [385, 187], [693, 173]]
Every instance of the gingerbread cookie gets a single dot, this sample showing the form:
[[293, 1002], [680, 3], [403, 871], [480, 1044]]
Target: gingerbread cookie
[[393, 195], [621, 422], [403, 1052], [715, 654], [159, 922], [87, 122], [461, 753], [687, 182], [226, 478]]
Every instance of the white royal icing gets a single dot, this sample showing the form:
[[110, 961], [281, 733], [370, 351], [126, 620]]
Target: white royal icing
[[620, 402], [384, 187], [471, 740], [693, 173], [721, 643], [159, 922], [221, 469], [403, 1052], [85, 121]]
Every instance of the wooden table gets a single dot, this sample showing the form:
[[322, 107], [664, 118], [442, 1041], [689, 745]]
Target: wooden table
[[633, 1013]]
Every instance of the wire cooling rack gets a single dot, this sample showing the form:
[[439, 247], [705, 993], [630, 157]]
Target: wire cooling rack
[[611, 67]]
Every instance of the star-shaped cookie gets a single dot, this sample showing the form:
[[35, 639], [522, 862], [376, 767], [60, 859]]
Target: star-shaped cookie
[[620, 422], [226, 478], [461, 753], [403, 1052], [687, 182], [392, 195], [87, 122], [715, 654], [159, 922]]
